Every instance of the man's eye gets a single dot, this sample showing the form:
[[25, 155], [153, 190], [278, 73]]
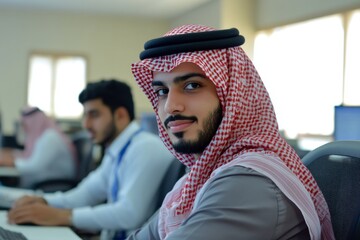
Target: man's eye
[[161, 92], [94, 115], [191, 86]]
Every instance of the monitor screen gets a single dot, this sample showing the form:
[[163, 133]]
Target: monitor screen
[[347, 123]]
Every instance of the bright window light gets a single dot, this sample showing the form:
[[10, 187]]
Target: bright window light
[[55, 83], [39, 91], [352, 70], [302, 68]]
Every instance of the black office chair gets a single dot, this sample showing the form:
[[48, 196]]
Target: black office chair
[[174, 172], [84, 150], [148, 122], [84, 147], [336, 168]]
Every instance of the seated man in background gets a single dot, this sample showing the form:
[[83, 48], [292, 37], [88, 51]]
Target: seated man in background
[[215, 116], [128, 177], [48, 153]]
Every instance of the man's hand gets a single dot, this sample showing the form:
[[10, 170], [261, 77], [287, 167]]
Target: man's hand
[[6, 158], [26, 200], [40, 214]]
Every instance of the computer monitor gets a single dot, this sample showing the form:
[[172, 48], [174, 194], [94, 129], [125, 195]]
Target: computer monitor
[[347, 123]]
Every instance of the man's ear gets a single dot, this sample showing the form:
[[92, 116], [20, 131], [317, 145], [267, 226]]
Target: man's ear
[[121, 116]]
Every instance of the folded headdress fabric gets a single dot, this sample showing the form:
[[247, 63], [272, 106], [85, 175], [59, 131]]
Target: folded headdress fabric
[[190, 42]]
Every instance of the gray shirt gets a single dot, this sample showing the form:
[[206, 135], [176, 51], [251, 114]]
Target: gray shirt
[[238, 203]]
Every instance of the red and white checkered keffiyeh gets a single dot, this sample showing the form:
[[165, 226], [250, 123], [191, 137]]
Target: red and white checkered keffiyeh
[[34, 126], [249, 123]]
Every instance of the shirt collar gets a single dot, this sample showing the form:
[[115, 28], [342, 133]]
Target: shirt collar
[[121, 139]]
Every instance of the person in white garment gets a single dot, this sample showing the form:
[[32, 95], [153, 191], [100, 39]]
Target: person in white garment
[[48, 153], [121, 194]]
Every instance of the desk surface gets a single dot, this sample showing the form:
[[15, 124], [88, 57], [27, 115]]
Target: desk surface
[[39, 232]]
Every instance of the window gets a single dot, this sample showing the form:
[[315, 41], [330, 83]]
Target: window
[[306, 71], [352, 70], [55, 82]]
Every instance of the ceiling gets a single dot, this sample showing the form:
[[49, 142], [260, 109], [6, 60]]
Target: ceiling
[[162, 9]]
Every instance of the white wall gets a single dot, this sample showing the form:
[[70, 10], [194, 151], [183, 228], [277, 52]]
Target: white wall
[[223, 14], [208, 14], [270, 13], [241, 15], [110, 44]]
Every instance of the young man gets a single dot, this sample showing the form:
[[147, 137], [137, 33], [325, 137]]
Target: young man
[[128, 177], [215, 116], [44, 144]]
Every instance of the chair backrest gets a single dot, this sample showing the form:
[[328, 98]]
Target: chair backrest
[[174, 172], [176, 169], [336, 168], [148, 122], [84, 147]]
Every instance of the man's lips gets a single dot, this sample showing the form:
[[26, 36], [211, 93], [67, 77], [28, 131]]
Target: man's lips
[[179, 125]]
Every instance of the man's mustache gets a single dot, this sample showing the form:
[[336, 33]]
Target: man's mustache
[[177, 117]]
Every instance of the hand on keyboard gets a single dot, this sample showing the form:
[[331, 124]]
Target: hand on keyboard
[[10, 235]]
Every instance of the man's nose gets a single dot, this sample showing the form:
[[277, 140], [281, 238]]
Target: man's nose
[[174, 103], [86, 122]]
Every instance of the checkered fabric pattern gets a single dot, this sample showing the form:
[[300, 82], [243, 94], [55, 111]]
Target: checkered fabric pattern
[[249, 123]]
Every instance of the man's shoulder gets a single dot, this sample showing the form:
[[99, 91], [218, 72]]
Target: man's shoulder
[[236, 171], [150, 143], [50, 134], [147, 138], [239, 179], [50, 131], [240, 183]]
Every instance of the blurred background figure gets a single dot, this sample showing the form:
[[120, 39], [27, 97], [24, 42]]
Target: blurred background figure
[[48, 153], [122, 192]]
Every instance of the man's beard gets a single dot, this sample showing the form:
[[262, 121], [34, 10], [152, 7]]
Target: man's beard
[[211, 124], [110, 134]]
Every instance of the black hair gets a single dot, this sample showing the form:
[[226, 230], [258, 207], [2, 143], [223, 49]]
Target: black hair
[[113, 93]]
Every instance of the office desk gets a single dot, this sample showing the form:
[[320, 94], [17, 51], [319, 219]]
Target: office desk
[[39, 232]]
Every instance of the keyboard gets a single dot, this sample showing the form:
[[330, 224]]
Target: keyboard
[[10, 235]]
